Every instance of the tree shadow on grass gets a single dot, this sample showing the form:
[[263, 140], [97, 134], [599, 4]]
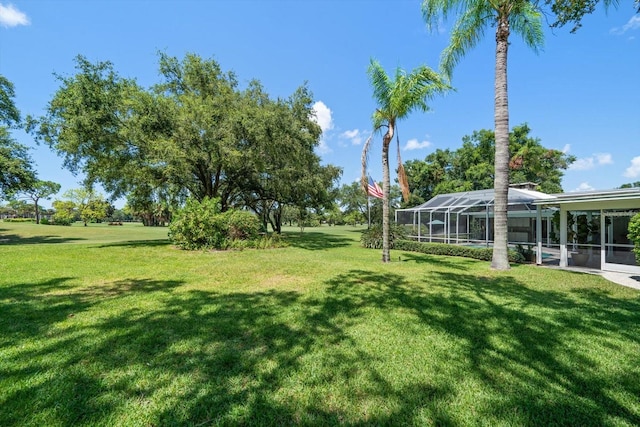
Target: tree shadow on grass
[[313, 240], [143, 352], [15, 239], [137, 243], [454, 263], [530, 347]]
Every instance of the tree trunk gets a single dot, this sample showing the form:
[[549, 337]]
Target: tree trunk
[[386, 142], [500, 259], [277, 216], [35, 203]]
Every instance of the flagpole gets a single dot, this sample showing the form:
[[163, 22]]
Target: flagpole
[[368, 211]]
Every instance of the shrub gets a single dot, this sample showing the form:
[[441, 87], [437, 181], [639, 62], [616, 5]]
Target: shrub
[[19, 220], [62, 220], [527, 252], [634, 235], [201, 225], [372, 238], [44, 221], [198, 225], [241, 225], [483, 254]]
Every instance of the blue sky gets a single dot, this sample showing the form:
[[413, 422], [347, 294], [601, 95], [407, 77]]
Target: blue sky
[[579, 94]]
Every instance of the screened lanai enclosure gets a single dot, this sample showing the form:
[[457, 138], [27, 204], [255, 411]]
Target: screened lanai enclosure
[[584, 229], [467, 217]]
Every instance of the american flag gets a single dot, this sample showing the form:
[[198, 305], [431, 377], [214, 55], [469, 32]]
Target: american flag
[[374, 189]]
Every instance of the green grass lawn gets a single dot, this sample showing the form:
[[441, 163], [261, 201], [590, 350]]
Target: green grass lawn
[[113, 326]]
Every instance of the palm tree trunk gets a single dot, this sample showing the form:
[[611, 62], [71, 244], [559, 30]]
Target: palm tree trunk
[[500, 259], [386, 142]]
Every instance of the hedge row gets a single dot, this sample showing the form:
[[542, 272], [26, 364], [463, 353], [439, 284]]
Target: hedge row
[[483, 254], [19, 220]]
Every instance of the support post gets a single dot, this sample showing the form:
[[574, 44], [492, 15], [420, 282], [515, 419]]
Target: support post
[[564, 256], [539, 235]]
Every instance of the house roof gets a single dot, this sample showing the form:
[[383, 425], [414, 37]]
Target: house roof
[[591, 196], [480, 198]]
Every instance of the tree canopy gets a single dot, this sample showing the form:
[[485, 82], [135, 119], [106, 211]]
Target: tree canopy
[[41, 190], [194, 134], [572, 11], [16, 169]]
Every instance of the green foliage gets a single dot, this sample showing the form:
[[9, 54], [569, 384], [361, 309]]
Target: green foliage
[[572, 11], [523, 18], [198, 225], [9, 113], [372, 237], [16, 170], [19, 220], [241, 225], [201, 225], [41, 190], [471, 167], [44, 221], [635, 184], [634, 235], [355, 218], [195, 133], [527, 252], [263, 241], [65, 212], [484, 254], [90, 206]]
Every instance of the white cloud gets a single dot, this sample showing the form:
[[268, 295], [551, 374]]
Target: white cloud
[[355, 136], [632, 24], [604, 158], [414, 144], [11, 17], [566, 148], [323, 116], [633, 171], [584, 186], [586, 163], [323, 148], [582, 164]]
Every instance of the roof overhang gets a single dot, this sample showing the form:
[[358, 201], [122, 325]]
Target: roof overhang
[[591, 197]]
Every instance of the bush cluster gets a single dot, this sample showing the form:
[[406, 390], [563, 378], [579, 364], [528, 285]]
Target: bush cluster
[[201, 225], [372, 238], [19, 220], [483, 254], [634, 235]]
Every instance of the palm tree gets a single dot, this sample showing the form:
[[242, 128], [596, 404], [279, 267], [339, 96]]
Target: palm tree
[[524, 18], [396, 99]]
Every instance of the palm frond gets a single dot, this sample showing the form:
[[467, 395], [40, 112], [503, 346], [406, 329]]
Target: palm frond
[[433, 10], [413, 90], [526, 19], [402, 174], [364, 181], [380, 82], [466, 33]]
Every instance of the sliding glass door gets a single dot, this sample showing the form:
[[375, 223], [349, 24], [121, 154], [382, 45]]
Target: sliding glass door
[[618, 249]]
